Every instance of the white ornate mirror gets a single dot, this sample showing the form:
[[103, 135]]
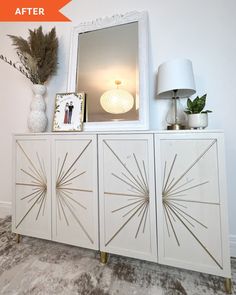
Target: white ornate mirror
[[109, 62]]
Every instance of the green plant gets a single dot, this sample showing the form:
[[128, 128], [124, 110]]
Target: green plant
[[197, 105], [37, 54]]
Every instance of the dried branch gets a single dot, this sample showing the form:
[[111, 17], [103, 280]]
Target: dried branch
[[17, 66]]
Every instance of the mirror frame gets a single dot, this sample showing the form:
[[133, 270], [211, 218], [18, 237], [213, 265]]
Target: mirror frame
[[142, 19]]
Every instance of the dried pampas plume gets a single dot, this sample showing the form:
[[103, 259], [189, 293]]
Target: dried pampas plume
[[37, 54]]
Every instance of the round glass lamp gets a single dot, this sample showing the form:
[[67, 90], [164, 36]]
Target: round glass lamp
[[117, 101], [176, 117]]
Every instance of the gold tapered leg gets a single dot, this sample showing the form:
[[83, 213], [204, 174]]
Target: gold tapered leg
[[18, 238], [103, 257], [228, 286]]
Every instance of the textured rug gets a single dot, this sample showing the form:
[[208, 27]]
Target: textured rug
[[42, 267]]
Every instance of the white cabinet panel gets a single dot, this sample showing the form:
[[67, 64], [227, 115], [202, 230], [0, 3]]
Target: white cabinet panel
[[32, 198], [127, 195], [191, 215], [75, 201]]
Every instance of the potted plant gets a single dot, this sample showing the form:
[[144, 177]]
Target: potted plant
[[197, 116], [38, 62]]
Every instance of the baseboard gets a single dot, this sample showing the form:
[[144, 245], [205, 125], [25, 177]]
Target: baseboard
[[5, 209], [232, 245]]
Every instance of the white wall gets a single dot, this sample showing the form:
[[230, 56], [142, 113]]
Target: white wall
[[204, 31]]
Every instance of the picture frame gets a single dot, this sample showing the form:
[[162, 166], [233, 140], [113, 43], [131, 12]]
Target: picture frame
[[69, 111]]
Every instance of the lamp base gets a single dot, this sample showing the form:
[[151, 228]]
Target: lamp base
[[175, 127]]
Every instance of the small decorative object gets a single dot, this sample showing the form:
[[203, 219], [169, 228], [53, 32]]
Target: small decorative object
[[69, 112], [38, 62], [197, 117], [175, 80], [117, 101]]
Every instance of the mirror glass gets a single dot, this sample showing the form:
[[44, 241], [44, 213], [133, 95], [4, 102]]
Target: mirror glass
[[109, 63], [108, 60]]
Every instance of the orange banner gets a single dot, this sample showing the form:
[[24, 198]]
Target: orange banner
[[33, 11]]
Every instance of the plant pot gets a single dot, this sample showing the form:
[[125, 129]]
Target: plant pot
[[37, 119], [198, 121]]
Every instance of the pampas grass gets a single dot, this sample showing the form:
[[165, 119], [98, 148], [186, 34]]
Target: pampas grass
[[38, 55]]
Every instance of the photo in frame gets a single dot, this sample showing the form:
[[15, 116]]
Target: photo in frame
[[69, 111]]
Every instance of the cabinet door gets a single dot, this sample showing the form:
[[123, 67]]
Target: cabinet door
[[192, 223], [31, 198], [75, 197], [127, 196]]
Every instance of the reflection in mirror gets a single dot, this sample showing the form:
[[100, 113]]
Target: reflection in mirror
[[108, 60]]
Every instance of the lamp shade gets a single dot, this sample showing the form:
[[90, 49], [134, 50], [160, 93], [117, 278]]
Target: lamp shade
[[177, 75], [117, 101]]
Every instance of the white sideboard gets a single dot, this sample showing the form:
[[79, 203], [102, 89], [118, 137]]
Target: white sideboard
[[157, 196]]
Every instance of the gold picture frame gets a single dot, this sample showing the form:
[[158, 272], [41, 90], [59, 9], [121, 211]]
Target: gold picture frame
[[69, 111]]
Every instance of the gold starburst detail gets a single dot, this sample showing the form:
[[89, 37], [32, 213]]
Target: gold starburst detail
[[137, 199], [173, 197], [38, 185], [64, 190]]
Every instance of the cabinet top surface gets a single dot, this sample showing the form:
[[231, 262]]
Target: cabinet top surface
[[122, 132]]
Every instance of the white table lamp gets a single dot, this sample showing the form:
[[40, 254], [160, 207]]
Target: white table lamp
[[175, 80]]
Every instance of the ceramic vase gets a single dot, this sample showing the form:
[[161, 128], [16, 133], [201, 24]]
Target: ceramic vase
[[198, 121], [37, 119]]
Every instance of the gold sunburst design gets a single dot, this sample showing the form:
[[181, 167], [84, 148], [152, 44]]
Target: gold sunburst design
[[137, 201], [65, 201], [38, 184], [173, 197]]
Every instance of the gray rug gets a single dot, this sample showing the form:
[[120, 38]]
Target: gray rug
[[42, 267]]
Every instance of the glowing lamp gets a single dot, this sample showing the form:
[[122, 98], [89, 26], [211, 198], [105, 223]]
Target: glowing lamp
[[117, 101]]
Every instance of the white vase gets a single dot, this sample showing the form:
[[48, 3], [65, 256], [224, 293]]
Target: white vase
[[37, 119], [198, 121]]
